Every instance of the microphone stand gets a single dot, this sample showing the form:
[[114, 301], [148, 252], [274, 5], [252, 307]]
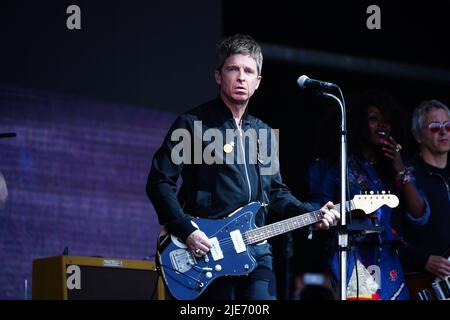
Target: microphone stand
[[343, 234]]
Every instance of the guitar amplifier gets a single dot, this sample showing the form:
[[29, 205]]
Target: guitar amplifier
[[90, 278]]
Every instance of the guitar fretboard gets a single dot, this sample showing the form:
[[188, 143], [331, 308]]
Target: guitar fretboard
[[277, 228]]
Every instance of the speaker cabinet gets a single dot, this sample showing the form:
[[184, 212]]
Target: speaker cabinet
[[90, 278]]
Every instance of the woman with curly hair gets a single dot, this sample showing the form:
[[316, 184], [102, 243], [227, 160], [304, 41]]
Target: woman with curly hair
[[375, 163]]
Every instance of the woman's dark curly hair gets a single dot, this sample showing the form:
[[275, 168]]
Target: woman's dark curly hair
[[327, 139], [357, 117]]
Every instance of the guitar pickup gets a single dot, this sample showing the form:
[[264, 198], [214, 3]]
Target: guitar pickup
[[216, 251], [238, 242]]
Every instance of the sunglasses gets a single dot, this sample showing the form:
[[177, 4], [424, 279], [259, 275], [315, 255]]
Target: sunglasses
[[436, 126]]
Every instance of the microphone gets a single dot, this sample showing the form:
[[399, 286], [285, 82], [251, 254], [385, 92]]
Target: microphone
[[304, 82]]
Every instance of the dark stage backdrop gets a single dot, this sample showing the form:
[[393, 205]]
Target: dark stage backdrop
[[76, 176], [157, 53], [84, 105]]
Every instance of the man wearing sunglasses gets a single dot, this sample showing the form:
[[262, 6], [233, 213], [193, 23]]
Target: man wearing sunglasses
[[427, 244]]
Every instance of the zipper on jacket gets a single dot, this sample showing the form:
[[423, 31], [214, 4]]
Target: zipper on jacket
[[443, 179], [245, 165]]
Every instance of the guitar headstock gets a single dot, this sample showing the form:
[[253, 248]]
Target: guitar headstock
[[372, 201]]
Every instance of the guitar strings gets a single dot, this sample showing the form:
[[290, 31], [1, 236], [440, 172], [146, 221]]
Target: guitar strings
[[266, 231]]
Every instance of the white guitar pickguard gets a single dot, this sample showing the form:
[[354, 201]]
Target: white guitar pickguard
[[177, 242]]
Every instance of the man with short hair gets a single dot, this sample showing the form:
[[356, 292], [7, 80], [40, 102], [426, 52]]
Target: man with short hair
[[234, 174], [426, 244]]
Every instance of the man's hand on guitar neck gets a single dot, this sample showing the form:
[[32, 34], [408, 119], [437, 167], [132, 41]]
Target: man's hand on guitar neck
[[330, 217], [438, 266], [198, 243]]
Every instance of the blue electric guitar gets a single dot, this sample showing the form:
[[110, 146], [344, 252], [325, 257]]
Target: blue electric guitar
[[187, 277]]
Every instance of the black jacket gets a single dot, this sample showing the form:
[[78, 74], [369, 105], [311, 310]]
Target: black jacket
[[433, 238], [214, 190]]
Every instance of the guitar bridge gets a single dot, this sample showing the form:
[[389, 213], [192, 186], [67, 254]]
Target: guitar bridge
[[182, 260]]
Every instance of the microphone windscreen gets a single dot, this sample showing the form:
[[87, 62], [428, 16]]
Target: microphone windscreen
[[301, 81]]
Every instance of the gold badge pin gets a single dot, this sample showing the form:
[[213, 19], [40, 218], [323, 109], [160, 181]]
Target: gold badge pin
[[227, 148]]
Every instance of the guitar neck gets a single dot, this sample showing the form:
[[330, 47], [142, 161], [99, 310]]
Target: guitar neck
[[277, 228]]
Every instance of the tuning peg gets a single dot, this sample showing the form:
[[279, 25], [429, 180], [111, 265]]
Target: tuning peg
[[383, 192]]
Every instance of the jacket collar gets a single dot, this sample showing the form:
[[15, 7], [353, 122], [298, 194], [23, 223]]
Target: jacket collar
[[224, 113], [419, 161]]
